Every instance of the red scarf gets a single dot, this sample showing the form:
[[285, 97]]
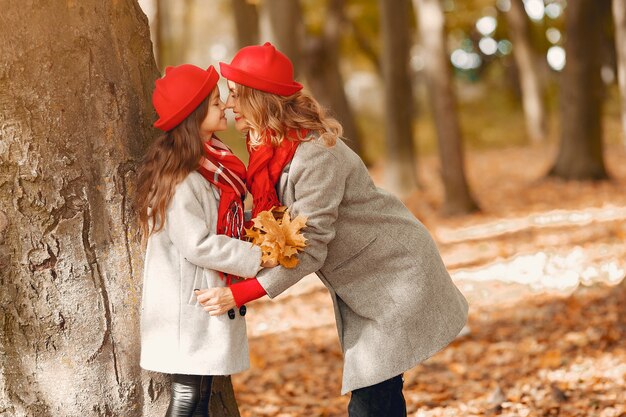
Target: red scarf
[[266, 164], [222, 168]]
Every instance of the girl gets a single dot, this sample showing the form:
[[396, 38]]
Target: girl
[[395, 304], [190, 194]]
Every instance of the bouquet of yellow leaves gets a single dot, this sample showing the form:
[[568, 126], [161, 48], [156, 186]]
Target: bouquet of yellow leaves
[[279, 237]]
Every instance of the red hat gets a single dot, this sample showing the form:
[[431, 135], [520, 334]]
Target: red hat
[[263, 68], [180, 91]]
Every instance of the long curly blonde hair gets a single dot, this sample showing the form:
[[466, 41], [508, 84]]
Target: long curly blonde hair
[[267, 112]]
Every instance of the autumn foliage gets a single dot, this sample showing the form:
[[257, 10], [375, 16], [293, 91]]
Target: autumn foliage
[[279, 237]]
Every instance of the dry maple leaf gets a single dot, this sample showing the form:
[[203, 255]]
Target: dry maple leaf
[[279, 237], [291, 231]]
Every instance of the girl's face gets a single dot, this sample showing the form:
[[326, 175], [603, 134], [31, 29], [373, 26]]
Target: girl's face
[[215, 119], [241, 123]]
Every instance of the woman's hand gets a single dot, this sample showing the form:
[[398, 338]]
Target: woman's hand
[[216, 301]]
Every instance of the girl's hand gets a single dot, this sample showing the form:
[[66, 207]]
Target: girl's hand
[[269, 264], [216, 301]]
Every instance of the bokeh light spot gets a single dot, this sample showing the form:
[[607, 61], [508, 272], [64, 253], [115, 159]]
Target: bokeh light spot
[[556, 58]]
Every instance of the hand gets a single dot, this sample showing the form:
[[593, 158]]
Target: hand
[[216, 301], [269, 264]]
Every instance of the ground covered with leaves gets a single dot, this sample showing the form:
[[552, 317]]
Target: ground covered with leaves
[[541, 266]]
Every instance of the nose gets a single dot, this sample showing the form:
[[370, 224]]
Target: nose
[[230, 102], [222, 105]]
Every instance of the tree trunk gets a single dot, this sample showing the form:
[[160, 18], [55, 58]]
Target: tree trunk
[[152, 9], [186, 41], [168, 50], [619, 16], [287, 29], [246, 22], [76, 115], [532, 97], [318, 58], [364, 43], [580, 153], [75, 86], [401, 170], [458, 199], [324, 75]]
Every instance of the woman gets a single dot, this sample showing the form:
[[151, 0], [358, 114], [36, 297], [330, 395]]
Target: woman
[[395, 304], [190, 209]]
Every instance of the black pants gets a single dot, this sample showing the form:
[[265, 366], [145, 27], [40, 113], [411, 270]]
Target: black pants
[[384, 399], [190, 396]]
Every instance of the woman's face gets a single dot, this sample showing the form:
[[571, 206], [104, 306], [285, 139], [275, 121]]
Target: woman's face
[[215, 119], [241, 123]]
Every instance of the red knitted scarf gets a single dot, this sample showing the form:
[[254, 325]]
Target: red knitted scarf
[[223, 169], [266, 164]]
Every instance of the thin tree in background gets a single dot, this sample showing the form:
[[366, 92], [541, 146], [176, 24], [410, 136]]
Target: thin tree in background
[[246, 22], [163, 28], [619, 16], [324, 75], [580, 152], [530, 83], [401, 175], [287, 29], [318, 58], [431, 21], [170, 48]]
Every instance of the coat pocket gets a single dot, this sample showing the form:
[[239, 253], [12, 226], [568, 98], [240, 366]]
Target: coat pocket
[[190, 283], [346, 262]]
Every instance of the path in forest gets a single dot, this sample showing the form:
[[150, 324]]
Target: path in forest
[[492, 263]]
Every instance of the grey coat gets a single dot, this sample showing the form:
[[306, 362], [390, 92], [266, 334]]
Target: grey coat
[[177, 335], [395, 304]]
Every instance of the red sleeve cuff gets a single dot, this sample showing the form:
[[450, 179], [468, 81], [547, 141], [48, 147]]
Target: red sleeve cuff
[[246, 291]]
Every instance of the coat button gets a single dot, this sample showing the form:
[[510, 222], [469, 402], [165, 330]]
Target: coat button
[[231, 314], [243, 310]]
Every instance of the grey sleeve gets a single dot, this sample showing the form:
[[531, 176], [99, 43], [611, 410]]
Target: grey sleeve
[[319, 183]]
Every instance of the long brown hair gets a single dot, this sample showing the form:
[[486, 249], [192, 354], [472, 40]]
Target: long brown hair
[[266, 111], [168, 161]]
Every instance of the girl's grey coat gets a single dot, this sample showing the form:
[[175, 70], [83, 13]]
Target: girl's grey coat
[[395, 304], [177, 335]]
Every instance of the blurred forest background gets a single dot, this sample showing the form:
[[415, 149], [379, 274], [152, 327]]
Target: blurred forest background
[[409, 77], [500, 123]]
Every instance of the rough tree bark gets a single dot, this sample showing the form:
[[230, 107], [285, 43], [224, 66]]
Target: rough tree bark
[[530, 83], [76, 80], [324, 75], [458, 199], [580, 152], [246, 22], [619, 17], [401, 169], [75, 85]]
